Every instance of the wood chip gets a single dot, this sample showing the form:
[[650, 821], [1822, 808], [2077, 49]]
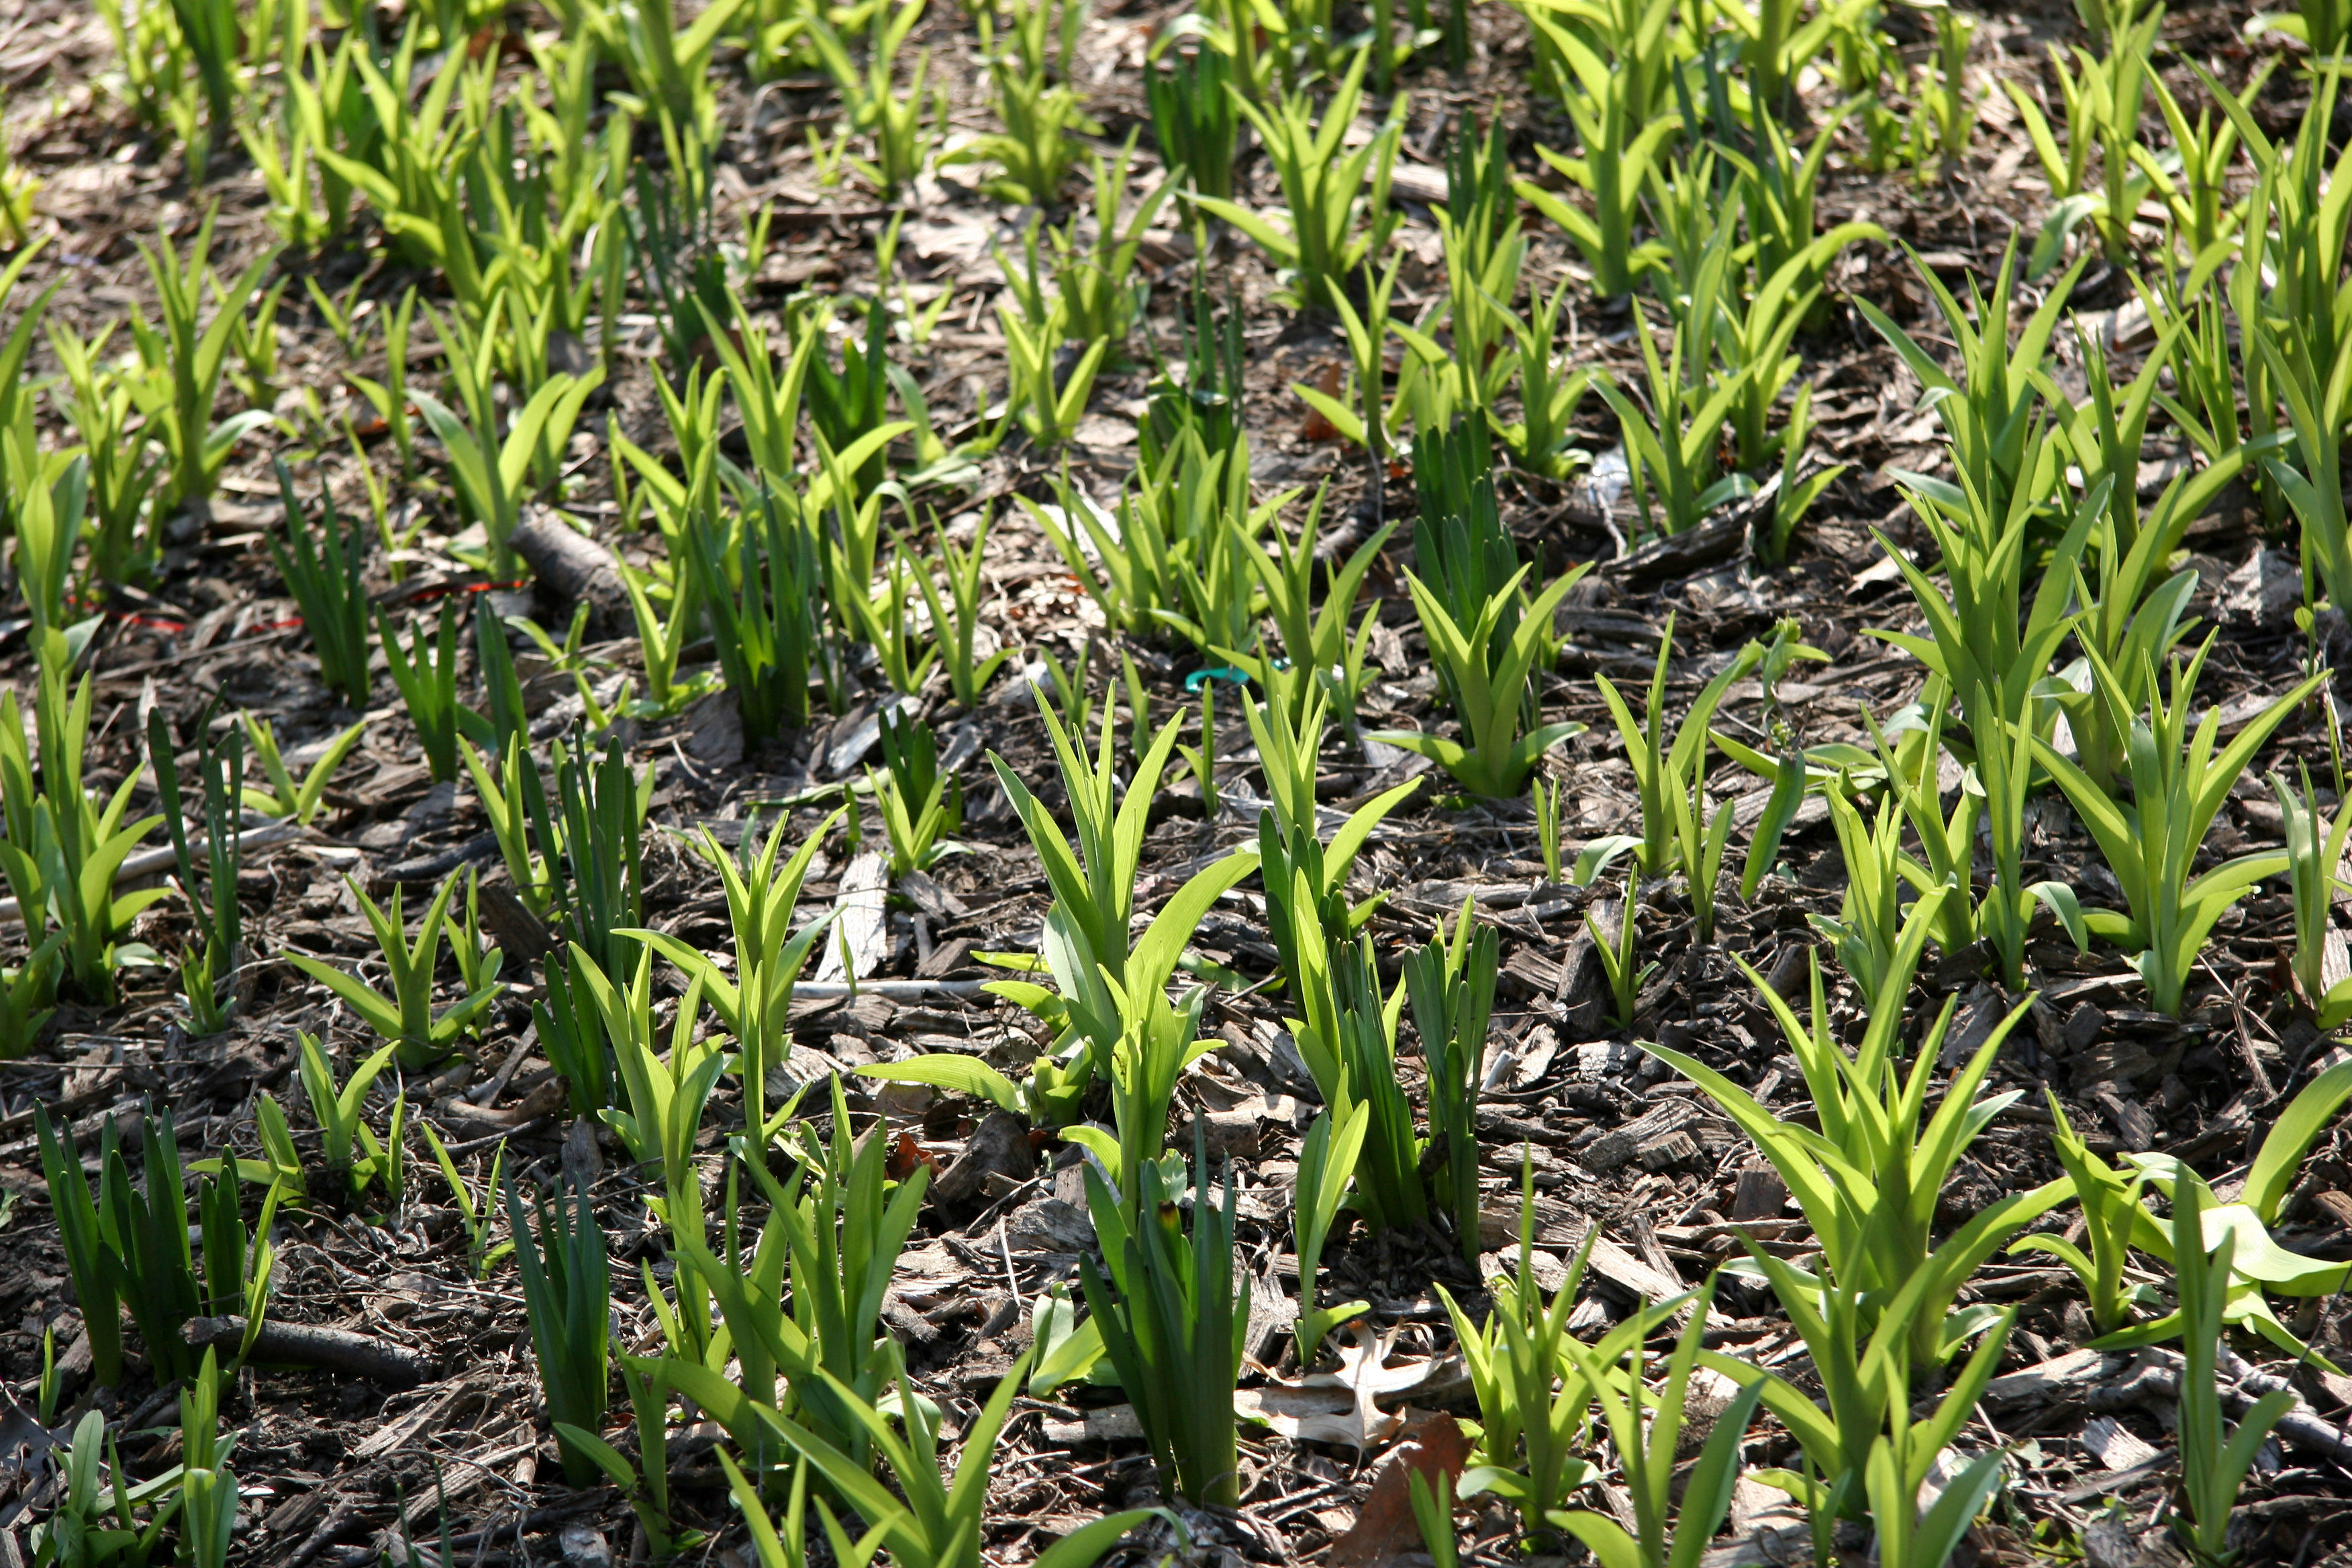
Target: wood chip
[[2051, 1379], [853, 949], [2114, 1446]]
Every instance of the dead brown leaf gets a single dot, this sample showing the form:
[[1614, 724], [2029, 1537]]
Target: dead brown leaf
[[906, 1156], [1317, 427], [1385, 1529]]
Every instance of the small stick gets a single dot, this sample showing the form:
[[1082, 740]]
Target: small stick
[[163, 858], [305, 1344], [890, 990]]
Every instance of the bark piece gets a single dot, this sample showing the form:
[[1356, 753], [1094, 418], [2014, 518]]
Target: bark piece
[[582, 1160], [714, 729], [2120, 1543], [1050, 1224], [910, 1325], [1667, 1149], [1620, 1145], [523, 936], [924, 891], [2116, 1064], [2135, 1127], [948, 956], [1112, 1423], [583, 1545], [1761, 1193], [2114, 1446], [1230, 1135], [1681, 554], [2061, 1376], [861, 936], [998, 1146]]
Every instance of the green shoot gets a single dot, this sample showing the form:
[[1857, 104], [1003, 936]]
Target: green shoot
[[491, 475], [407, 1018], [286, 798], [1647, 1451], [1327, 1164], [2114, 1222], [184, 362], [337, 1109], [208, 1494], [1172, 1323], [1202, 759], [571, 1033], [1532, 1401], [756, 1003], [1621, 138], [2150, 842], [601, 811], [476, 1209], [389, 397], [1498, 752], [2314, 851], [1626, 977], [1870, 1179], [63, 851], [425, 672], [1193, 115], [1321, 187], [919, 805], [2213, 1463], [567, 1286], [1450, 985], [1662, 772], [665, 1093], [324, 579], [221, 768]]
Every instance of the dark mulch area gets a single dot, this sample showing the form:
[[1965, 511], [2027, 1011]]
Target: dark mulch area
[[331, 1462]]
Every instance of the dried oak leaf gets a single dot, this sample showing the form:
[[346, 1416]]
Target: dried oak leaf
[[1317, 427], [1385, 1528], [906, 1154], [1339, 1407]]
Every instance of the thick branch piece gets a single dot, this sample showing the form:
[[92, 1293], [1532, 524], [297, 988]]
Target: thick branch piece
[[2156, 1375], [332, 1350], [573, 567]]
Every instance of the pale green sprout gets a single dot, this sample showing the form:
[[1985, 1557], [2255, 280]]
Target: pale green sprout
[[756, 1003], [1321, 187], [296, 801], [1664, 770], [1497, 756], [2114, 1220], [2213, 1467], [2150, 842], [2258, 1266], [1049, 409], [406, 1017], [1326, 1161], [1626, 977], [1621, 137], [1870, 1179], [2315, 850], [665, 1095], [1646, 1450], [492, 475], [337, 1110]]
